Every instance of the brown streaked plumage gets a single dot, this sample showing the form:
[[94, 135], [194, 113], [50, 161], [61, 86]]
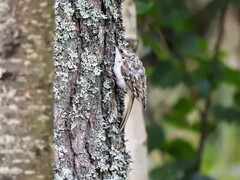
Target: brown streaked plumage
[[131, 77]]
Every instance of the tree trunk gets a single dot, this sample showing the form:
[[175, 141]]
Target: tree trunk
[[25, 83], [88, 105]]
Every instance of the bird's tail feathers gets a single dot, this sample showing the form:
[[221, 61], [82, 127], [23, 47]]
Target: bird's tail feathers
[[127, 113]]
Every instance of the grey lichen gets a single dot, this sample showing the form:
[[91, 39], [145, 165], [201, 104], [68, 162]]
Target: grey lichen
[[65, 174], [91, 64], [89, 13]]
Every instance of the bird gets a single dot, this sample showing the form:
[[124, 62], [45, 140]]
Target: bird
[[130, 77]]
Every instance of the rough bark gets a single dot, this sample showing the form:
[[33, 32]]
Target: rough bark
[[88, 105], [136, 135]]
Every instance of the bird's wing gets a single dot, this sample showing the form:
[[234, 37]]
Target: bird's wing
[[134, 76]]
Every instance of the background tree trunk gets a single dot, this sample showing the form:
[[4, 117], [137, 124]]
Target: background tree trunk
[[87, 107], [25, 90]]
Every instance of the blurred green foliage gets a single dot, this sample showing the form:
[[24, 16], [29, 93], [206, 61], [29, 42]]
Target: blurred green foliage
[[175, 31]]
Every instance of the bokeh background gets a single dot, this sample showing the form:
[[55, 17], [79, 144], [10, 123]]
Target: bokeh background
[[193, 61], [191, 51]]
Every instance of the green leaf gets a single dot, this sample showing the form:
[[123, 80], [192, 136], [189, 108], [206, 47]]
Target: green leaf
[[213, 7], [174, 15], [143, 7], [202, 44], [229, 114], [203, 88], [178, 113], [206, 78], [235, 2], [196, 126], [183, 106], [217, 75], [236, 98], [150, 40], [201, 73], [187, 43], [179, 148], [177, 121], [171, 170], [166, 75], [149, 70], [155, 137], [198, 176], [210, 126], [232, 76]]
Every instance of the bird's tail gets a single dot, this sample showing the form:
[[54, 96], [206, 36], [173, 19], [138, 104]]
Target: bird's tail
[[127, 113]]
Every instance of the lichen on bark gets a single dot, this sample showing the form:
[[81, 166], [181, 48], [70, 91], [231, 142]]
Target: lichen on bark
[[88, 106]]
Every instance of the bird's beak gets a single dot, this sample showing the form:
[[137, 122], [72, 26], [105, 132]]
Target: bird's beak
[[117, 54], [117, 51]]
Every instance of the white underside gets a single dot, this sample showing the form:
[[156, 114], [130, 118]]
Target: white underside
[[117, 71], [118, 74]]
